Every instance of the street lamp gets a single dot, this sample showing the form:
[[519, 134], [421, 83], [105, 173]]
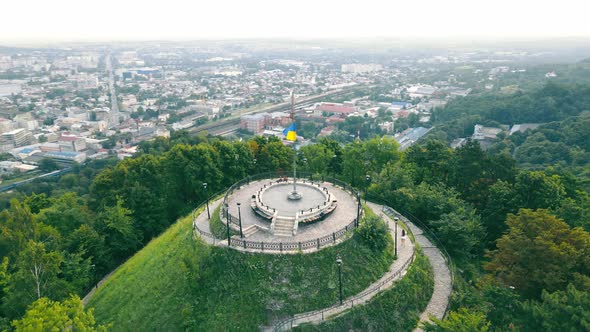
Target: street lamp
[[207, 194], [227, 223], [240, 220], [334, 168], [396, 220], [339, 263], [94, 278], [358, 208], [304, 166], [368, 178]]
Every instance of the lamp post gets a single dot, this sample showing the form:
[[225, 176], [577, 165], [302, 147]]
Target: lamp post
[[94, 278], [304, 167], [207, 194], [368, 178], [334, 168], [396, 219], [339, 263], [240, 220], [227, 223], [358, 209]]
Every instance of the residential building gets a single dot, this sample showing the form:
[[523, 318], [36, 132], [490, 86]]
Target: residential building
[[15, 138], [485, 135], [71, 143], [253, 123], [334, 108], [522, 127], [360, 67]]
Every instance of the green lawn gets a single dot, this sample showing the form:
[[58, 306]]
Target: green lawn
[[397, 309], [177, 283]]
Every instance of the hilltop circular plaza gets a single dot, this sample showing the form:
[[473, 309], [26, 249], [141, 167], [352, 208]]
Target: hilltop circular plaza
[[275, 213]]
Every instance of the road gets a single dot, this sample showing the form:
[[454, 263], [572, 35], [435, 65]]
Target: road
[[114, 115]]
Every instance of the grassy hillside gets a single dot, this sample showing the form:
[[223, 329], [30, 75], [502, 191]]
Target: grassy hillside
[[178, 283], [397, 309]]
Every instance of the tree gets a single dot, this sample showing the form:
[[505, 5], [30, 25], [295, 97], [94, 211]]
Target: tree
[[539, 252], [536, 190], [432, 161], [567, 310], [459, 321], [86, 241], [374, 232], [48, 165], [66, 213], [501, 201], [47, 315], [380, 151], [319, 158], [4, 280], [37, 202], [36, 276], [353, 163], [461, 232], [116, 224]]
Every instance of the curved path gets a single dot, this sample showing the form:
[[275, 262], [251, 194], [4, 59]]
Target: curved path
[[396, 271], [437, 305], [443, 284]]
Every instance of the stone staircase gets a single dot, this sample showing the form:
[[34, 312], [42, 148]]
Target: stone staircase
[[283, 226], [248, 231]]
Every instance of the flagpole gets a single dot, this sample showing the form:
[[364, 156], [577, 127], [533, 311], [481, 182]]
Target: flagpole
[[294, 169], [292, 136]]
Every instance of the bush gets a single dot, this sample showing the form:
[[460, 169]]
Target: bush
[[374, 233]]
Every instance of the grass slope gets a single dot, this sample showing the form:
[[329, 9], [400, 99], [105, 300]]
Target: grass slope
[[177, 283], [397, 309], [218, 228]]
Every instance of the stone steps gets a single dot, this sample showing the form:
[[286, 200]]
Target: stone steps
[[249, 230], [284, 227]]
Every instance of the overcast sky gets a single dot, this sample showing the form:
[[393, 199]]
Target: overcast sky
[[88, 20]]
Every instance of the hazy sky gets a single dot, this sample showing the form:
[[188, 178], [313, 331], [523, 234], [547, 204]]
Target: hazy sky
[[88, 20]]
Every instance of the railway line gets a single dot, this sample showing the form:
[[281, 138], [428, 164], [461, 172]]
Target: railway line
[[224, 127]]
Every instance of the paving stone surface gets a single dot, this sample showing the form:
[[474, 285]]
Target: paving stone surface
[[343, 215]]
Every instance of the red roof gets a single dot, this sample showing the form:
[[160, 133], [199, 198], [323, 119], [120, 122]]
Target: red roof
[[402, 114], [335, 108]]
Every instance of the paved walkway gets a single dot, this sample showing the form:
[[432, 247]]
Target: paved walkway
[[203, 225], [396, 271], [443, 285], [89, 295], [343, 215], [439, 301]]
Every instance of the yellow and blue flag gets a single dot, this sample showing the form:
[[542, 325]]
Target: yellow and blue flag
[[290, 134]]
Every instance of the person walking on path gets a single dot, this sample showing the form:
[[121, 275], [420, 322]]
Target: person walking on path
[[403, 237]]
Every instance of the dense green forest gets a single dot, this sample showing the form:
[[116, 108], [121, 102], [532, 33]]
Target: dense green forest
[[518, 235]]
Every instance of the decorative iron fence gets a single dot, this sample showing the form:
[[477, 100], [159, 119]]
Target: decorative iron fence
[[359, 299], [291, 246], [427, 231]]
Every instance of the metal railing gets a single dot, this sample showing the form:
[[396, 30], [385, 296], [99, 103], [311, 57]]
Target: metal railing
[[288, 246], [292, 246], [428, 233], [288, 323]]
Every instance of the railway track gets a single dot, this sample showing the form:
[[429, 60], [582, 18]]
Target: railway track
[[221, 127]]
